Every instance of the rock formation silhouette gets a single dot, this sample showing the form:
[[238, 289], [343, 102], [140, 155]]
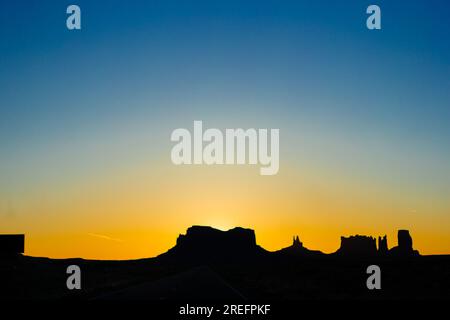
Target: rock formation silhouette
[[203, 243], [383, 245], [405, 245], [296, 242], [209, 263], [206, 243], [366, 246], [357, 245], [297, 249]]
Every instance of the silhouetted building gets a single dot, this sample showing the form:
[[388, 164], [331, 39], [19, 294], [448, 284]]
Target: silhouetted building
[[12, 244]]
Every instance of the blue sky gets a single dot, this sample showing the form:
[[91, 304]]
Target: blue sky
[[356, 103], [210, 59], [298, 55]]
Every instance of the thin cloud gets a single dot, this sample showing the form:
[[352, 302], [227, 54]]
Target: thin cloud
[[101, 236]]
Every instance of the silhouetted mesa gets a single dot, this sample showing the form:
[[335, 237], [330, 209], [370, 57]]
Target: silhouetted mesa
[[203, 243], [366, 246], [207, 243], [405, 246], [357, 245], [12, 244]]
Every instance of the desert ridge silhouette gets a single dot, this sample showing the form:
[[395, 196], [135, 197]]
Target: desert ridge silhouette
[[211, 264], [207, 243], [204, 251], [204, 243]]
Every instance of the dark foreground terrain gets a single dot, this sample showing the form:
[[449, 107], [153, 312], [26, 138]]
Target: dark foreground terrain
[[207, 264]]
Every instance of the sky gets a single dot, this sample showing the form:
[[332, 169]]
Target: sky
[[86, 117]]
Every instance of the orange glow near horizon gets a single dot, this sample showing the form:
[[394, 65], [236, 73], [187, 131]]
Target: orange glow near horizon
[[138, 214]]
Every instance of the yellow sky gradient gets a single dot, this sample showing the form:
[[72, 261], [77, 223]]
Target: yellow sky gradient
[[139, 212]]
